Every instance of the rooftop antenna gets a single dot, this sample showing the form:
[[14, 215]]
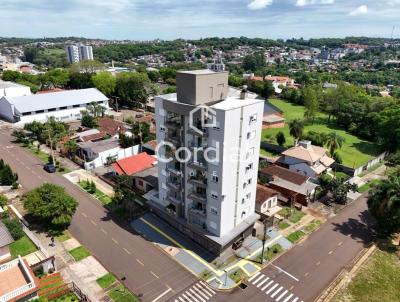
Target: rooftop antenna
[[394, 27]]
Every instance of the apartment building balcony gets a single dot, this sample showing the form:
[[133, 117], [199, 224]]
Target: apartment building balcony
[[175, 168], [200, 164], [198, 195], [175, 199], [173, 122], [174, 137], [200, 181], [202, 131], [198, 144], [175, 185], [198, 218]]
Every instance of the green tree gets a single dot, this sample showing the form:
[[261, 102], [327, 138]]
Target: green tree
[[388, 122], [296, 128], [393, 160], [268, 89], [88, 120], [71, 147], [384, 203], [280, 138], [105, 82], [333, 142], [132, 88], [14, 227], [310, 103], [50, 204]]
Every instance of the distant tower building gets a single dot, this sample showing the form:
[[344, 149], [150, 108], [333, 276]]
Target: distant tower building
[[218, 65], [72, 53], [80, 52], [85, 52]]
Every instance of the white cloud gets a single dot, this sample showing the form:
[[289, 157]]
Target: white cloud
[[309, 2], [361, 10], [259, 4]]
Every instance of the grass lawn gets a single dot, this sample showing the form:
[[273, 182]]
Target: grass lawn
[[44, 157], [312, 226], [79, 253], [22, 247], [283, 225], [271, 253], [377, 281], [295, 236], [66, 298], [295, 217], [106, 280], [355, 152], [121, 294], [104, 199], [205, 275], [64, 236], [368, 185], [237, 275]]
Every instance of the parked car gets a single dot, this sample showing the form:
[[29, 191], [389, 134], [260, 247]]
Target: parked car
[[50, 168]]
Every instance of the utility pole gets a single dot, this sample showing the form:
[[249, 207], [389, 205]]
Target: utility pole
[[51, 146]]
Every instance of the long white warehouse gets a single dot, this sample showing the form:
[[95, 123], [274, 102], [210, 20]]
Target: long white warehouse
[[63, 105]]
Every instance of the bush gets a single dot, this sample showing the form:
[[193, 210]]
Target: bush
[[337, 158], [14, 227], [3, 200]]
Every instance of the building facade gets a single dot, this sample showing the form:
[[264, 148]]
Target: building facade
[[80, 52], [212, 143]]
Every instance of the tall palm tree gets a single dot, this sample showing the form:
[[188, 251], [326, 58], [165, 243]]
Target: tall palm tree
[[296, 128], [333, 142]]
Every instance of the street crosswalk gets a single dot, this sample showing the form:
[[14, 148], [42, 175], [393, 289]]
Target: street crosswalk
[[272, 289], [199, 292]]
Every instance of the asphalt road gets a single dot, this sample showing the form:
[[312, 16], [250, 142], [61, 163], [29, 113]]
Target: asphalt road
[[306, 270], [148, 271]]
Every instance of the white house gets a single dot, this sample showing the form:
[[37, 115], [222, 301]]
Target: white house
[[11, 89], [307, 159], [63, 105], [267, 201], [101, 153]]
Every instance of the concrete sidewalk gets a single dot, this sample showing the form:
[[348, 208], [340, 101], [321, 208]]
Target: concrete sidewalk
[[215, 271], [81, 174]]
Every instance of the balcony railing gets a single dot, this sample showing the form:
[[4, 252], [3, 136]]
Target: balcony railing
[[174, 185], [199, 164], [174, 168], [199, 181], [199, 145], [201, 131], [202, 197], [174, 199], [173, 122]]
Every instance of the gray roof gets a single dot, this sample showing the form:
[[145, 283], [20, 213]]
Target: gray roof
[[5, 236], [101, 146], [6, 84], [150, 175], [59, 99]]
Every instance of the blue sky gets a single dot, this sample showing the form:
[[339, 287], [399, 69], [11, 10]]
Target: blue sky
[[170, 19]]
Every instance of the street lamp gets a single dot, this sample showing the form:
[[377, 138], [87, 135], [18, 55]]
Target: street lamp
[[226, 276], [264, 239]]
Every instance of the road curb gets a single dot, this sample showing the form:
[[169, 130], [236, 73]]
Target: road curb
[[345, 275]]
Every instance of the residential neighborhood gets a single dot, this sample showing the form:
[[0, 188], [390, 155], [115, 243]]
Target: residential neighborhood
[[182, 160]]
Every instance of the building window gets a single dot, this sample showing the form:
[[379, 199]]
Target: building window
[[243, 201], [76, 106], [39, 111], [26, 113], [215, 177], [214, 211], [162, 128], [140, 182], [249, 167], [251, 135], [248, 195], [214, 195], [63, 108], [249, 153], [253, 118], [249, 181]]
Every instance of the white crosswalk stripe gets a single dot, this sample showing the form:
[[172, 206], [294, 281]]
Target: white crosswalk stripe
[[276, 292], [282, 295], [268, 284], [272, 288], [288, 298], [258, 279], [199, 292], [262, 282]]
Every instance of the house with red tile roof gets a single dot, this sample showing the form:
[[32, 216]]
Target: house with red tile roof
[[267, 201], [134, 164]]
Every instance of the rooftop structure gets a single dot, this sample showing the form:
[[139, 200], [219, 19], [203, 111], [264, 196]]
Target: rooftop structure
[[134, 164], [11, 89]]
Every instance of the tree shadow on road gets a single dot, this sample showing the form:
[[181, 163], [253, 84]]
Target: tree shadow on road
[[361, 229]]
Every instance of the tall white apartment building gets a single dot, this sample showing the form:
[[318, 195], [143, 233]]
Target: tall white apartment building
[[207, 189], [85, 52], [76, 53], [72, 53]]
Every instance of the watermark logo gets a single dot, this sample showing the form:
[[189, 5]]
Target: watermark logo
[[207, 119]]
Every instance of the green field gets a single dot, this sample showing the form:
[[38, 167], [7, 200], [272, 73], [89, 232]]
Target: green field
[[355, 152], [106, 280], [377, 281], [79, 253], [121, 294], [22, 247]]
